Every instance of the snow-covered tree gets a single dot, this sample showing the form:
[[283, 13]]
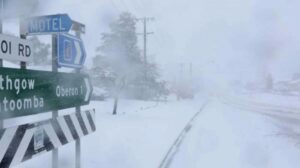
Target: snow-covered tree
[[118, 63], [118, 66]]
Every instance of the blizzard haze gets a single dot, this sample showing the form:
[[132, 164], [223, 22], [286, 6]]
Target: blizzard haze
[[227, 39], [220, 85]]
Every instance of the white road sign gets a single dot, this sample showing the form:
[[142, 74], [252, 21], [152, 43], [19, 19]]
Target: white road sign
[[15, 49]]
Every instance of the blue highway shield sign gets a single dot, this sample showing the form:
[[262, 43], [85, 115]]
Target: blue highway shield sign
[[70, 51]]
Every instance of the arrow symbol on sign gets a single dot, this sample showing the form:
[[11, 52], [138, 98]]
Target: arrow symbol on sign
[[88, 89], [71, 55]]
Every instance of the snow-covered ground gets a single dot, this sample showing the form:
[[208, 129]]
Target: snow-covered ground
[[270, 99], [224, 136], [138, 137]]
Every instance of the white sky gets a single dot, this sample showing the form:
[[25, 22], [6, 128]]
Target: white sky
[[223, 39]]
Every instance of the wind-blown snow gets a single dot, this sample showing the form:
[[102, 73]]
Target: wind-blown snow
[[138, 137], [224, 136]]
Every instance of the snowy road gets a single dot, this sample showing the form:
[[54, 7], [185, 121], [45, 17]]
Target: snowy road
[[167, 160], [226, 136], [287, 116], [138, 137]]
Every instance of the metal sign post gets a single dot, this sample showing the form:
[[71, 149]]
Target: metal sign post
[[1, 62], [55, 112], [79, 28], [27, 50]]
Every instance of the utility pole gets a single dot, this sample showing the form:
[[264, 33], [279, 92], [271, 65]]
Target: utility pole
[[145, 20]]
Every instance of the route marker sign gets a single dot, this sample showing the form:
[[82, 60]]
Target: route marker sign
[[15, 49], [47, 24], [70, 51], [26, 92], [23, 142]]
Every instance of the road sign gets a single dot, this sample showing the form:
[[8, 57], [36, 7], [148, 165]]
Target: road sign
[[70, 51], [16, 49], [26, 92], [18, 144], [47, 24]]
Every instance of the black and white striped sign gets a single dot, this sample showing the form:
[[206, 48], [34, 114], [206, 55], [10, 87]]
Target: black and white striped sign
[[21, 143]]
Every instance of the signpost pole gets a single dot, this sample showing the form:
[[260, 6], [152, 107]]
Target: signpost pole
[[55, 112], [78, 147], [78, 142], [1, 25], [22, 36], [1, 62]]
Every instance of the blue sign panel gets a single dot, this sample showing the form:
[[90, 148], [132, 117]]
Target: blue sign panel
[[70, 51], [47, 24]]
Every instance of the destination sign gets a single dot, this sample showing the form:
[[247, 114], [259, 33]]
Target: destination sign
[[15, 49], [47, 24], [26, 92]]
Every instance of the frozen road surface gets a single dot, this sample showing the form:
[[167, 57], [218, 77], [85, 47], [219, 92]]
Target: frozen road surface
[[226, 137], [138, 137], [217, 134]]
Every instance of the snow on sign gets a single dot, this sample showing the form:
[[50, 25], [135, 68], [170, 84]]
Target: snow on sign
[[26, 92], [47, 24], [23, 142], [70, 51], [15, 49]]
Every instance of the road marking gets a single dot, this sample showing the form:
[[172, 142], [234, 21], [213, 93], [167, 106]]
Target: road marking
[[167, 160]]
